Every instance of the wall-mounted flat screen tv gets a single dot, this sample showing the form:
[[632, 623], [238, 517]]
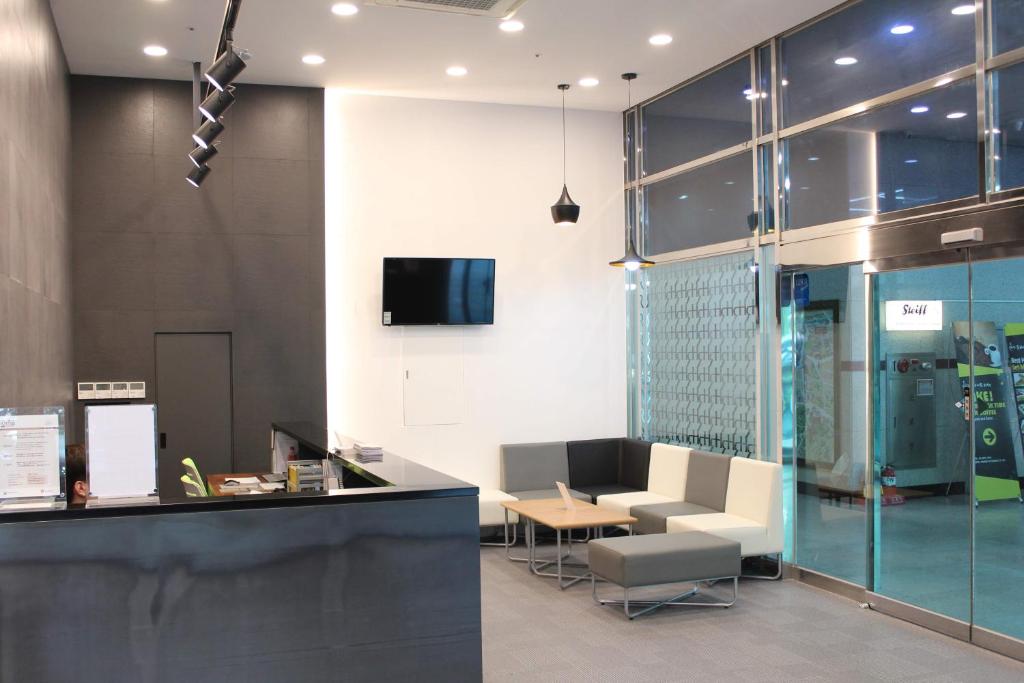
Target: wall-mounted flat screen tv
[[438, 291]]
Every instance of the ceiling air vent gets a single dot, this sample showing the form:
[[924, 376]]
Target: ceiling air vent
[[477, 8]]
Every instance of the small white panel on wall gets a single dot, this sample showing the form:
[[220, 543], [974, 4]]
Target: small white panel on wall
[[433, 379]]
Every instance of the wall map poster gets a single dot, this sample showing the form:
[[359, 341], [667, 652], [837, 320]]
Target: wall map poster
[[995, 466]]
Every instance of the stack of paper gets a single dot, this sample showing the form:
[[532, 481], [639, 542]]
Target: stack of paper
[[368, 453], [240, 484]]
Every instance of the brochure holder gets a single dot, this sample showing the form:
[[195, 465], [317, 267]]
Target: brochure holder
[[31, 458]]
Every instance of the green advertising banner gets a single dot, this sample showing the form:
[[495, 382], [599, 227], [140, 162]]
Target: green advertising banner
[[995, 464], [1015, 349]]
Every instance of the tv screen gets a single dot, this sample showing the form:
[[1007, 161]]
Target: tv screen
[[438, 291]]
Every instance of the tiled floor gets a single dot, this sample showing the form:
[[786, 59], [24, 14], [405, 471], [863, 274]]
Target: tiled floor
[[778, 631]]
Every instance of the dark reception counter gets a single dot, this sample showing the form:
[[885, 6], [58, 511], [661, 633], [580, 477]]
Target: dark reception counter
[[379, 581]]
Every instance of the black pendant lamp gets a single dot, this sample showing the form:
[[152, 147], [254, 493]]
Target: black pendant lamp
[[565, 211], [631, 260]]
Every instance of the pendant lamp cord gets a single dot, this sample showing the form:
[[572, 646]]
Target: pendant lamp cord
[[564, 182]]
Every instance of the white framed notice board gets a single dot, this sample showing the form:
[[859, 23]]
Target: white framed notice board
[[121, 445], [31, 452]]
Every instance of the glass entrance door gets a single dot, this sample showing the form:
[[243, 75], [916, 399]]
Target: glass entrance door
[[998, 313], [903, 435], [922, 449]]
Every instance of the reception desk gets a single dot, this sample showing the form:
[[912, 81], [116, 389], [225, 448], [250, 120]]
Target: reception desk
[[378, 581]]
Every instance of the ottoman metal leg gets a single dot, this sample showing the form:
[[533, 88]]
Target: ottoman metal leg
[[675, 601]]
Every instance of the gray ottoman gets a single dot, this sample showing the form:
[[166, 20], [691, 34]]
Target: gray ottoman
[[634, 561]]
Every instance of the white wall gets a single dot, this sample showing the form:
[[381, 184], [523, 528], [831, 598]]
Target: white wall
[[408, 177]]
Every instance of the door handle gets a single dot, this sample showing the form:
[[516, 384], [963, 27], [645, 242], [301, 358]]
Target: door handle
[[163, 439]]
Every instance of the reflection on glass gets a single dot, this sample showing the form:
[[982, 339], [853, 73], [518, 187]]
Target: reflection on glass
[[998, 293], [1007, 25], [1008, 132], [816, 62], [827, 431], [763, 92], [922, 453], [707, 205], [911, 153], [706, 116]]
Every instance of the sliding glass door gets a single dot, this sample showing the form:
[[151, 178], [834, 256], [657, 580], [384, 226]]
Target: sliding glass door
[[998, 313], [903, 418], [922, 451]]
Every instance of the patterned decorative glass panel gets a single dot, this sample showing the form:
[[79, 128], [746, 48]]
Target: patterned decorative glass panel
[[698, 354]]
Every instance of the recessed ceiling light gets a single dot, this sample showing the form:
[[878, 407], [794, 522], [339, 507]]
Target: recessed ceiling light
[[901, 29], [344, 9], [956, 115], [589, 82], [511, 26], [684, 196], [910, 161], [155, 50], [314, 60], [660, 39], [456, 71], [730, 182], [785, 82], [846, 61], [919, 109], [961, 10], [812, 158]]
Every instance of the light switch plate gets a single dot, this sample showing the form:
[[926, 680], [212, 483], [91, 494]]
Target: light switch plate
[[119, 390], [102, 390], [136, 390], [86, 390]]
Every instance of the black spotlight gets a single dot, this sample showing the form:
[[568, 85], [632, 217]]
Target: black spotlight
[[225, 69], [198, 175], [218, 102], [200, 155], [207, 133]]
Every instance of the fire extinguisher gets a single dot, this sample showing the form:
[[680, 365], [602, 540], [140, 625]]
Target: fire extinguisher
[[888, 476], [889, 490]]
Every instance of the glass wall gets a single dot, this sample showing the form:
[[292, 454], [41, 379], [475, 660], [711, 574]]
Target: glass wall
[[877, 111], [698, 361], [914, 152], [827, 430], [1008, 127], [869, 49], [708, 115], [704, 206]]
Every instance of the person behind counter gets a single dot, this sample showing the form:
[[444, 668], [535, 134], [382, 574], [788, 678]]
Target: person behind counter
[[77, 481]]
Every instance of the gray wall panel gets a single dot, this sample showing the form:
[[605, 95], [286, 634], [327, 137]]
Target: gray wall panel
[[35, 245], [245, 254]]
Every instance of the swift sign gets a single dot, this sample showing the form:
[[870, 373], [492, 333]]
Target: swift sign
[[913, 316]]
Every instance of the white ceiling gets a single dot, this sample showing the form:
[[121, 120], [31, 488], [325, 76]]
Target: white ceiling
[[396, 51]]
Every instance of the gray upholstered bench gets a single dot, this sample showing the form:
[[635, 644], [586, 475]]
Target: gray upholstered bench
[[635, 561]]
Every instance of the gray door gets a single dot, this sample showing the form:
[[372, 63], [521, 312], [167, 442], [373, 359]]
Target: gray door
[[193, 394]]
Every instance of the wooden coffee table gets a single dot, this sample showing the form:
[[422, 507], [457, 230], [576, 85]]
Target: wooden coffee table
[[552, 513]]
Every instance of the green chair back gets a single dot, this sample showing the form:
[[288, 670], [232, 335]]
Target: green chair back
[[192, 471], [193, 489]]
